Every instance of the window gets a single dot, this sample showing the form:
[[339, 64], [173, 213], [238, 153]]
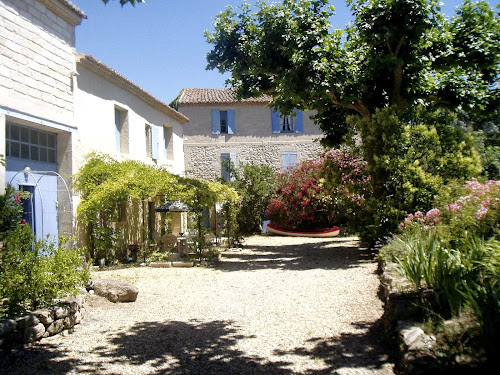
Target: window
[[151, 135], [225, 159], [223, 122], [169, 143], [288, 159], [287, 124], [118, 128], [121, 130], [30, 144], [149, 141]]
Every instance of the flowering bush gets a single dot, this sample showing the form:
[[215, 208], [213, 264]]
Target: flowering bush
[[320, 192], [476, 211]]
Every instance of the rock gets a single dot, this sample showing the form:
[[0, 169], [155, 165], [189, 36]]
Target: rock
[[78, 317], [27, 321], [414, 338], [34, 333], [7, 326], [45, 316], [56, 327], [69, 322], [115, 290], [61, 312]]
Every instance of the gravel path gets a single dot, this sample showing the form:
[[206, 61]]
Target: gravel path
[[282, 305]]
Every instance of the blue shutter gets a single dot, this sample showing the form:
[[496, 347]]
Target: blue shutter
[[299, 121], [275, 121], [289, 160], [215, 121], [154, 142], [292, 158], [165, 142], [232, 157], [117, 129], [224, 157], [231, 119]]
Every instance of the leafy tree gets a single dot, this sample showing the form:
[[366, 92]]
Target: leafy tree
[[396, 56], [397, 52]]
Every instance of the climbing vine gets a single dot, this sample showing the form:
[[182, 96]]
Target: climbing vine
[[106, 186]]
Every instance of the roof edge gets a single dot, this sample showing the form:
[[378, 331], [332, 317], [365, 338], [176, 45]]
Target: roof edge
[[66, 10], [105, 71]]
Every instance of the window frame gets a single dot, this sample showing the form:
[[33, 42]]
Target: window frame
[[30, 145]]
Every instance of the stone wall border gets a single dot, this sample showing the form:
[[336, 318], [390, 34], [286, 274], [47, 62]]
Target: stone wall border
[[30, 328], [414, 347]]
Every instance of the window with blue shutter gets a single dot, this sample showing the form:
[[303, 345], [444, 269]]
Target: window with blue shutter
[[154, 141], [299, 121], [215, 121], [117, 129], [275, 121], [225, 159], [223, 122], [288, 159], [231, 119], [287, 124]]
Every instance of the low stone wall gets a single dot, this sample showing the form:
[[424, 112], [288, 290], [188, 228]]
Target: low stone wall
[[413, 345], [42, 323]]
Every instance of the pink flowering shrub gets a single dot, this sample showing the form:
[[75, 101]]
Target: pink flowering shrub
[[476, 211], [319, 193]]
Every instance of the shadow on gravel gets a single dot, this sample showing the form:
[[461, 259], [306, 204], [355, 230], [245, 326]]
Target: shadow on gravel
[[361, 353], [331, 255], [46, 360], [191, 347], [176, 347]]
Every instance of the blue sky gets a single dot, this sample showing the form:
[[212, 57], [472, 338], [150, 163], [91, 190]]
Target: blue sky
[[159, 45]]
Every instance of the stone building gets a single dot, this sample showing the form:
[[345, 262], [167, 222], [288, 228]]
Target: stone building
[[56, 106], [221, 127], [37, 126]]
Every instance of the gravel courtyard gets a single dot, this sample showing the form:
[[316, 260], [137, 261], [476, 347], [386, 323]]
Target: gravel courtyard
[[282, 305]]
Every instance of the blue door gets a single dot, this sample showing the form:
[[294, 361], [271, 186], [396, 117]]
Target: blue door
[[29, 206], [31, 159]]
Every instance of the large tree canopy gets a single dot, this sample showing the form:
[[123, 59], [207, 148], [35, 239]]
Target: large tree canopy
[[396, 52]]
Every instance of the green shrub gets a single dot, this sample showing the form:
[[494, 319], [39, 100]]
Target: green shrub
[[34, 273], [418, 153], [253, 182]]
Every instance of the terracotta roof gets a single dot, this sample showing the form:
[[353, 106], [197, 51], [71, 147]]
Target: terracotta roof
[[105, 71], [216, 96]]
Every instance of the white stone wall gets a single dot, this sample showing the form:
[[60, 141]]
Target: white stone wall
[[95, 102], [253, 141], [36, 60]]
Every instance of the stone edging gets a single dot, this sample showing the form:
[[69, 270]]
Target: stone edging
[[42, 323], [413, 344]]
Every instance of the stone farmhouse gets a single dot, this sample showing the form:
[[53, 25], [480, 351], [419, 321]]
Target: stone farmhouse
[[221, 127], [57, 105]]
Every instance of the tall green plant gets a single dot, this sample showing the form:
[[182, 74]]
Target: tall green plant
[[254, 184]]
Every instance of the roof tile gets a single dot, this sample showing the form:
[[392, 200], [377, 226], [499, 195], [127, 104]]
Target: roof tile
[[192, 96]]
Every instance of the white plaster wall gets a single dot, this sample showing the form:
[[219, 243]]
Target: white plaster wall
[[95, 102], [36, 60]]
